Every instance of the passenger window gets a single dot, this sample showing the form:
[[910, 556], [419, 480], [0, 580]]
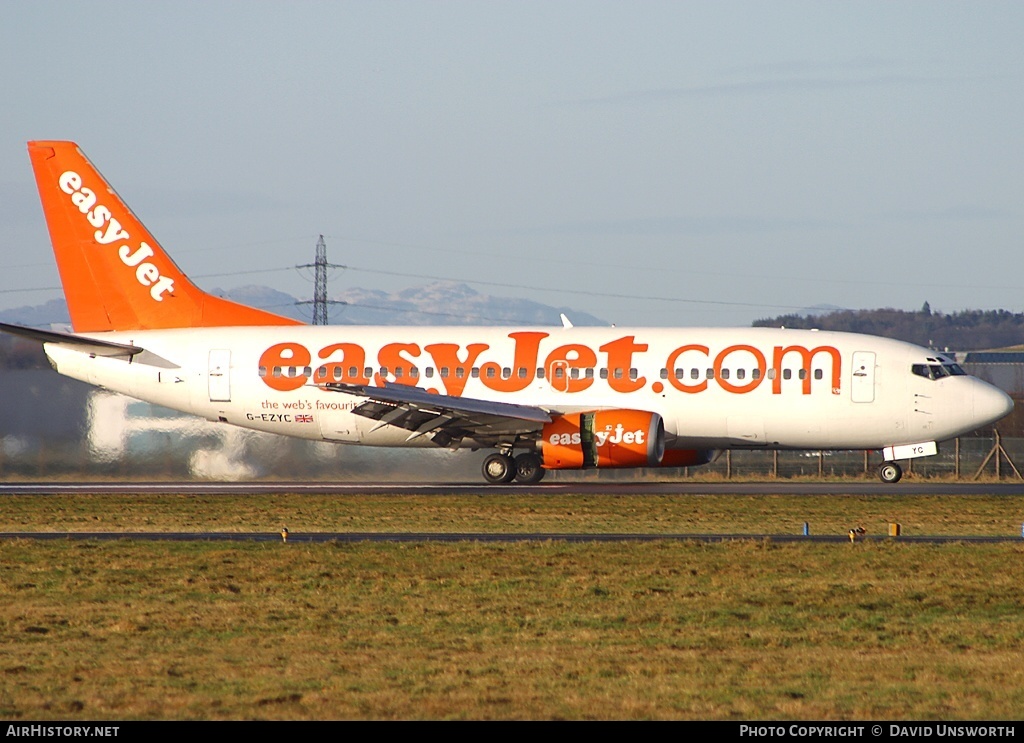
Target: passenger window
[[818, 374], [694, 373], [787, 373], [755, 373], [263, 371], [741, 374], [725, 373]]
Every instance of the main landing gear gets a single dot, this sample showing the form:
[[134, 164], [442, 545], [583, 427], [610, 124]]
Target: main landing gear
[[500, 468], [890, 472]]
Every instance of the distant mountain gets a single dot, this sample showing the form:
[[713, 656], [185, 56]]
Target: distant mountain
[[41, 315], [439, 303], [265, 298], [447, 303]]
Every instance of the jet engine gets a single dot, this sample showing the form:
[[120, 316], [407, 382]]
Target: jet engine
[[687, 457], [604, 438]]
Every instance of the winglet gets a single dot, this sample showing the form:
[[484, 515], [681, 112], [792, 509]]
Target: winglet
[[566, 323], [115, 274]]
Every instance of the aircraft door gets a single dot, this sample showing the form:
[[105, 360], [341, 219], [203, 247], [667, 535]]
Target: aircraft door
[[220, 375], [862, 385], [558, 375]]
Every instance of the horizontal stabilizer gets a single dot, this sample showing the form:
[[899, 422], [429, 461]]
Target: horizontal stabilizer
[[97, 347]]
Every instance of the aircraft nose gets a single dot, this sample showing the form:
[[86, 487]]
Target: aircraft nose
[[990, 403]]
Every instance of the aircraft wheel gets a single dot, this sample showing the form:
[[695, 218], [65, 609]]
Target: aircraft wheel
[[890, 472], [499, 468], [528, 469]]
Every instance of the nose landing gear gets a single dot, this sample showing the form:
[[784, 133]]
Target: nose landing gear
[[890, 472]]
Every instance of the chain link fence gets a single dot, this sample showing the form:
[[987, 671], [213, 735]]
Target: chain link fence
[[257, 456], [58, 428], [963, 459]]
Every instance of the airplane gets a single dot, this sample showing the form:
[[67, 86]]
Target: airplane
[[542, 398]]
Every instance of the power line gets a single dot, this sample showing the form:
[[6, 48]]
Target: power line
[[320, 266]]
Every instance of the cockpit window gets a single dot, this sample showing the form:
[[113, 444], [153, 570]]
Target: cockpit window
[[937, 371]]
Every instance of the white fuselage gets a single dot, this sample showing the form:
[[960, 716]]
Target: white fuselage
[[713, 387]]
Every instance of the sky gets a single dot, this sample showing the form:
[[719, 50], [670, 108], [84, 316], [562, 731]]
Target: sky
[[651, 163]]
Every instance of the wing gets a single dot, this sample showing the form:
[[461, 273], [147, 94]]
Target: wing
[[446, 419]]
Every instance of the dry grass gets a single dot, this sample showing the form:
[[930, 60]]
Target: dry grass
[[548, 514], [743, 630]]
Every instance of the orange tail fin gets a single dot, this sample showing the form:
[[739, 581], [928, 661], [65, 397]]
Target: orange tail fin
[[115, 275]]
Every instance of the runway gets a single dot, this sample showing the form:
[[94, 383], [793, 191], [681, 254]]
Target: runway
[[1010, 488]]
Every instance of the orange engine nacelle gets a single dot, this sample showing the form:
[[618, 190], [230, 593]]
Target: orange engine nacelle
[[686, 457], [605, 438]]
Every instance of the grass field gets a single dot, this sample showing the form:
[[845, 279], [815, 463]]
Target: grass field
[[561, 513], [550, 630]]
